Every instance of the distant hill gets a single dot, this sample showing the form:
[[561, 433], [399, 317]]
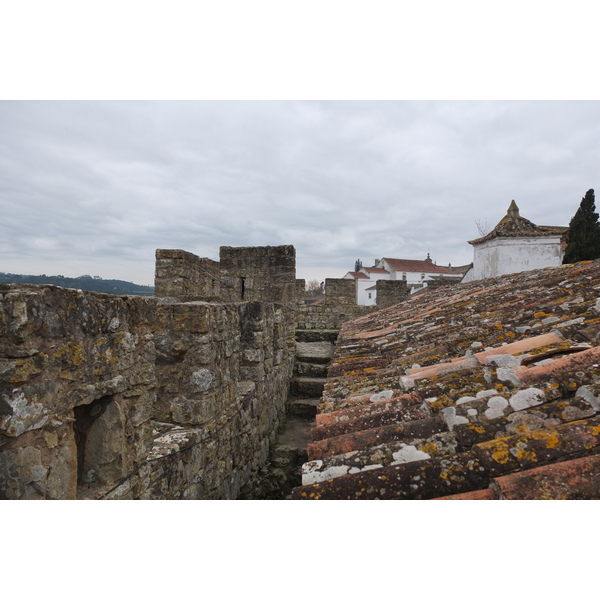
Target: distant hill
[[85, 282]]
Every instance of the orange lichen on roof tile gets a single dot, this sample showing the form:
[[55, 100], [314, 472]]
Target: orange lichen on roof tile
[[576, 479]]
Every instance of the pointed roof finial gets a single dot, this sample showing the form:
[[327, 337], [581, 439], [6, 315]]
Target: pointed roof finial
[[513, 210]]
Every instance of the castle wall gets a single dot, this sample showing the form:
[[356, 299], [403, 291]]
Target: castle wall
[[166, 399], [265, 273], [339, 306], [321, 316], [223, 373], [340, 292], [76, 375]]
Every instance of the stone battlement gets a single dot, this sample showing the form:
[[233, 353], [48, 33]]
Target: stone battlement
[[174, 397]]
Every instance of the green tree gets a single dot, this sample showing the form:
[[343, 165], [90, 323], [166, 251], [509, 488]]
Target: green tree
[[583, 236]]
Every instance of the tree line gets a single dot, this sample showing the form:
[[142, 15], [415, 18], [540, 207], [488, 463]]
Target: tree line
[[84, 282]]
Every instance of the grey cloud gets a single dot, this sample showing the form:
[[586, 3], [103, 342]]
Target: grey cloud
[[104, 184]]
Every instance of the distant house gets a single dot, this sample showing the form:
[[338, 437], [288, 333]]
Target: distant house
[[516, 245], [365, 296], [416, 273]]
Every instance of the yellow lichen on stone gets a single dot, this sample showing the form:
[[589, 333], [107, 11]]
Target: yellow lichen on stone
[[25, 368], [73, 352]]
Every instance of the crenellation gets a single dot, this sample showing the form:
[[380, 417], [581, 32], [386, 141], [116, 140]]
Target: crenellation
[[184, 276], [390, 292], [264, 273]]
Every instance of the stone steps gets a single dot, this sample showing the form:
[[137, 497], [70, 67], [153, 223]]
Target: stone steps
[[304, 407], [308, 369], [319, 353], [307, 387]]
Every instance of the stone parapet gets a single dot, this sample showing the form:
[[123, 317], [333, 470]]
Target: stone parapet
[[264, 273], [328, 317], [340, 292], [391, 292], [183, 276], [131, 397]]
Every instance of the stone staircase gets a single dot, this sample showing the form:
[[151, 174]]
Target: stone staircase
[[314, 352]]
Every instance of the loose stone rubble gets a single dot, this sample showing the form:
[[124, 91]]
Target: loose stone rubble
[[483, 390]]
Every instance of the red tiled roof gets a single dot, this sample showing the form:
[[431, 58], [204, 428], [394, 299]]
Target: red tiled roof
[[358, 275], [416, 266], [484, 390], [374, 270]]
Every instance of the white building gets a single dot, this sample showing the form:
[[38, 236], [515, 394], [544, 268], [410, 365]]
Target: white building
[[416, 273], [366, 279], [516, 245]]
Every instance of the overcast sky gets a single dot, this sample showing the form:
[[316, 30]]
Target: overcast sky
[[96, 187]]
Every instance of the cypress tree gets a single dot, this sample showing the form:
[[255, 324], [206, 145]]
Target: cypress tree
[[583, 236]]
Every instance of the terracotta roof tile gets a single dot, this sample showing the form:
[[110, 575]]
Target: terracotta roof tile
[[392, 416], [369, 409], [541, 446], [417, 266], [410, 430], [482, 390], [419, 480], [571, 480]]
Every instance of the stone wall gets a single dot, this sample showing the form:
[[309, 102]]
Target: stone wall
[[131, 397], [338, 307], [184, 276], [323, 316], [223, 373], [77, 389], [391, 292], [340, 292], [301, 290], [266, 273], [436, 283]]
